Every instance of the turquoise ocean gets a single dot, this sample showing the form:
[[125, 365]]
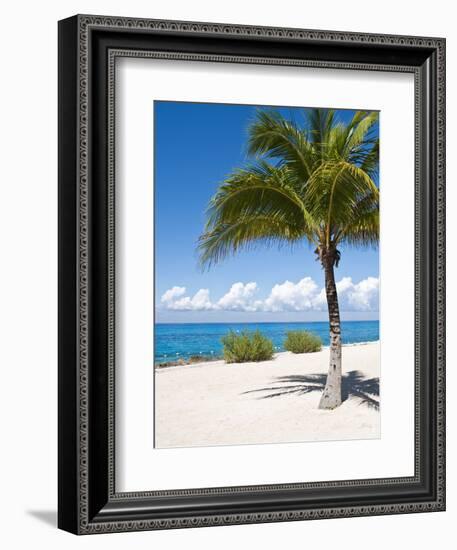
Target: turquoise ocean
[[181, 341]]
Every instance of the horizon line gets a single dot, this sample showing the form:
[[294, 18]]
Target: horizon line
[[258, 322]]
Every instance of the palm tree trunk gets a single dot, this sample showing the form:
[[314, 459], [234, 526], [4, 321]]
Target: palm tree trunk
[[331, 398]]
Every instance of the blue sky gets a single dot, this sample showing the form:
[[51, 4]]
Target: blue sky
[[196, 146]]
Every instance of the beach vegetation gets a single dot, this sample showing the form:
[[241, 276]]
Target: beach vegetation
[[308, 182], [246, 346], [302, 341], [197, 359]]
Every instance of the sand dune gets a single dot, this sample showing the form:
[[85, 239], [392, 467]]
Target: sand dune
[[269, 402]]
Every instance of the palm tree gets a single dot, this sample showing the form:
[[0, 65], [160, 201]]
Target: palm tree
[[309, 182]]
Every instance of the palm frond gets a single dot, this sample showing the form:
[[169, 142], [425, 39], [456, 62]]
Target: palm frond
[[363, 230], [272, 136], [257, 203], [247, 233], [337, 140], [360, 137], [370, 162], [320, 121], [334, 192]]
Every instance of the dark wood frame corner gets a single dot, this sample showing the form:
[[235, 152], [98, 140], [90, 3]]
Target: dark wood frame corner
[[88, 47]]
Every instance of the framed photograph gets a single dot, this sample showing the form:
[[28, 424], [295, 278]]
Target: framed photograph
[[251, 274]]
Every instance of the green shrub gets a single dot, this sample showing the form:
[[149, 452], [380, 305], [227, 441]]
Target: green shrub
[[300, 341], [197, 359], [246, 346]]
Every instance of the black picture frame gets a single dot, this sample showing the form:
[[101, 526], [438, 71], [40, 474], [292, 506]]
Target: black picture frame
[[87, 500]]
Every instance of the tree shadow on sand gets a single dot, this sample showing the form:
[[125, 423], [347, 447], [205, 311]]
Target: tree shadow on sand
[[353, 384]]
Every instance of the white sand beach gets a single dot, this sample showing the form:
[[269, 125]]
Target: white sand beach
[[273, 401]]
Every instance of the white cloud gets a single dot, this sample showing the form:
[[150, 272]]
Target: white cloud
[[174, 299], [290, 296], [305, 295], [240, 297], [171, 294], [363, 296], [344, 285]]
